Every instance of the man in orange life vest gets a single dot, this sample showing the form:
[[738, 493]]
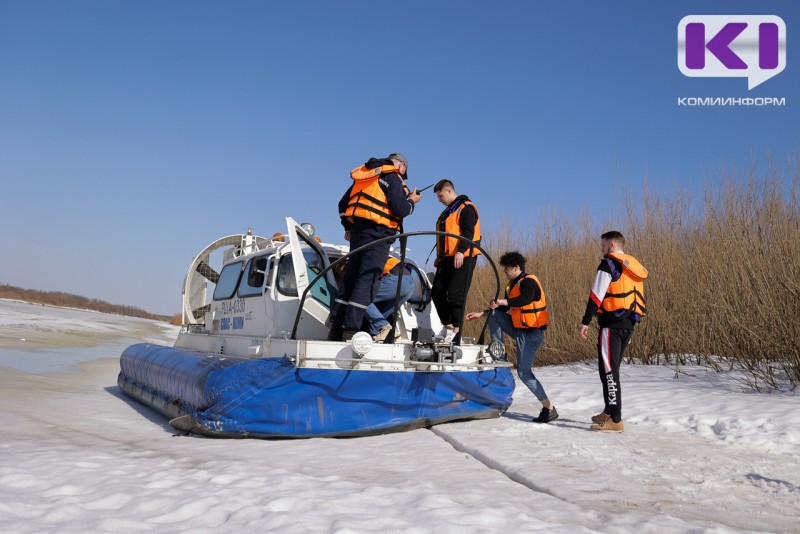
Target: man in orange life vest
[[617, 299], [455, 259], [373, 207], [383, 304], [523, 316]]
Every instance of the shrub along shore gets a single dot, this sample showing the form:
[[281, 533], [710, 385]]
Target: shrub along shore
[[724, 285], [69, 300]]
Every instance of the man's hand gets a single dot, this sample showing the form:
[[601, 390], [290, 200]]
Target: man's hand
[[473, 315], [497, 303], [347, 235], [414, 196], [584, 331], [458, 260]]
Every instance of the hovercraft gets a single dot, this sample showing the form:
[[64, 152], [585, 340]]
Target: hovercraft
[[253, 358]]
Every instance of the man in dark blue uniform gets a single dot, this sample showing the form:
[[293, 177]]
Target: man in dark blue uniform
[[372, 208]]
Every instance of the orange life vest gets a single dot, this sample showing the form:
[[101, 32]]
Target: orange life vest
[[533, 315], [390, 264], [367, 198], [627, 292], [448, 246]]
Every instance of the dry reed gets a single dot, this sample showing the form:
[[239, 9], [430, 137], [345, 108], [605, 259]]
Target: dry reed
[[724, 285]]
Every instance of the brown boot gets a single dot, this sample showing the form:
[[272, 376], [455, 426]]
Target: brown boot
[[381, 336], [600, 418], [608, 425]]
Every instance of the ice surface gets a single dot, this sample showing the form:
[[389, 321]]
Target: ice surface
[[698, 454]]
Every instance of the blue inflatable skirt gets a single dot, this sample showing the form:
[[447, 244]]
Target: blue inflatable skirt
[[219, 396]]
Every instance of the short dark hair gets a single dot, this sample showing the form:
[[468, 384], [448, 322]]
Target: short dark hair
[[513, 259], [613, 235], [441, 184]]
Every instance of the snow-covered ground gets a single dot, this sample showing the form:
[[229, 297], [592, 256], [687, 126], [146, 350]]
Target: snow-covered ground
[[699, 454]]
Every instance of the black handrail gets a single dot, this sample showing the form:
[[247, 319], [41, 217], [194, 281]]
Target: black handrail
[[393, 321], [403, 240]]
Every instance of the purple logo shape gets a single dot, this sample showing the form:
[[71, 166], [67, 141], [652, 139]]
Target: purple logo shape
[[749, 46], [768, 44], [719, 45]]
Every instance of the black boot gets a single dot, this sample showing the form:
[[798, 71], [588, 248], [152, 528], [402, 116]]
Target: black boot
[[335, 333]]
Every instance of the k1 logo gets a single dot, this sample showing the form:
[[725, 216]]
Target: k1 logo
[[732, 46]]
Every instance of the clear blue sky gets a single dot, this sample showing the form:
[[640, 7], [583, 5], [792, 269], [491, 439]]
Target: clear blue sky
[[134, 133]]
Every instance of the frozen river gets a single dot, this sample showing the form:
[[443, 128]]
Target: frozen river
[[699, 454]]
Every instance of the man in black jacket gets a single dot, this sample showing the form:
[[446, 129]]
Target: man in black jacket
[[455, 258], [522, 315]]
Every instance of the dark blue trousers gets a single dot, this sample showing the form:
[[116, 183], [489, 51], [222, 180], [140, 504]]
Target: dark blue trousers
[[361, 279]]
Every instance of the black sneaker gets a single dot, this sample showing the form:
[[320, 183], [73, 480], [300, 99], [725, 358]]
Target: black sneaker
[[545, 416]]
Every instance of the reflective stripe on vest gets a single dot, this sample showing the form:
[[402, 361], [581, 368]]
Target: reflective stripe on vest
[[627, 292], [533, 315], [448, 246], [368, 199]]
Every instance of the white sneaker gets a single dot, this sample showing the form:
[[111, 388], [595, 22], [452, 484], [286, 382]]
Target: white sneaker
[[445, 334]]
